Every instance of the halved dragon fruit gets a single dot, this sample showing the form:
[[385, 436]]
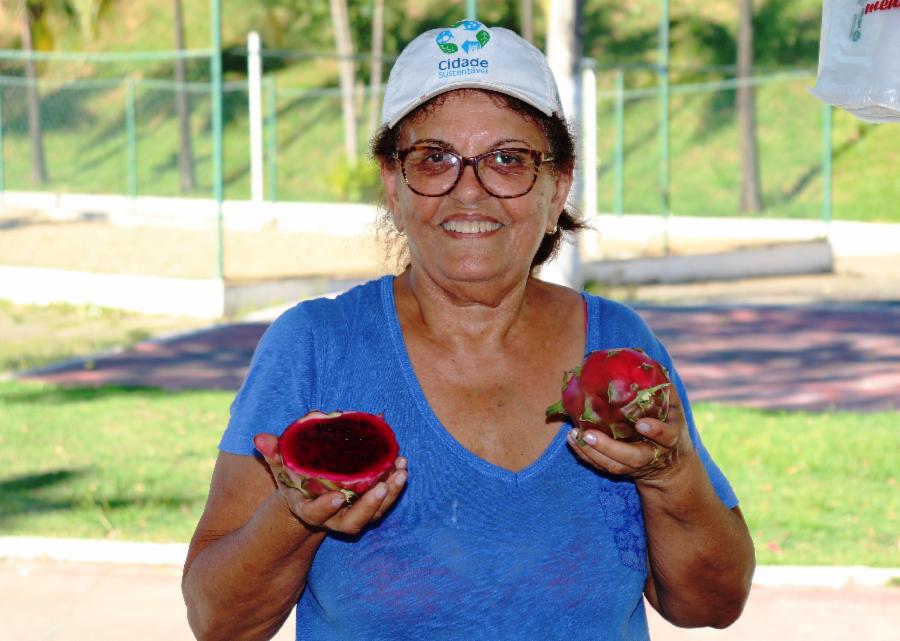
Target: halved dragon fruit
[[348, 452], [611, 390]]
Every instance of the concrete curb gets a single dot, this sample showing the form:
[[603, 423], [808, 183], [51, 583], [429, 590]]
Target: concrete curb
[[92, 551], [173, 554], [782, 259]]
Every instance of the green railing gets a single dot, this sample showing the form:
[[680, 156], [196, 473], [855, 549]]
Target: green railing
[[120, 136]]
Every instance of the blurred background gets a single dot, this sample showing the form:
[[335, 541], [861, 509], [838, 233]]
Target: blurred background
[[116, 112]]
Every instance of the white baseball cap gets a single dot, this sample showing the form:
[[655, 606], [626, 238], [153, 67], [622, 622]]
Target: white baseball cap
[[468, 55]]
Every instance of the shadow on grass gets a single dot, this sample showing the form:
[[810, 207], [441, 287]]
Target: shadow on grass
[[24, 393], [22, 497], [40, 481]]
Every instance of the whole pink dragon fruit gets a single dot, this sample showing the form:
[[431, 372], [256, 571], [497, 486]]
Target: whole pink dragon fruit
[[611, 390], [348, 452]]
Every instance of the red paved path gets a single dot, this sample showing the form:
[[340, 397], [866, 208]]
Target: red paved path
[[801, 357]]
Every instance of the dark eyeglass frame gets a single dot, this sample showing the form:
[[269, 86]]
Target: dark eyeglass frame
[[538, 157]]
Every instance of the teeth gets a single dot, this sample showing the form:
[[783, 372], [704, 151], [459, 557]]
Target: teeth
[[470, 226]]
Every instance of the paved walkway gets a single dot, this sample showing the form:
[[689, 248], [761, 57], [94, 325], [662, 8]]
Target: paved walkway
[[54, 601], [813, 356]]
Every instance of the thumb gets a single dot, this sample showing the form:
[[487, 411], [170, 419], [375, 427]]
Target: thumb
[[267, 445]]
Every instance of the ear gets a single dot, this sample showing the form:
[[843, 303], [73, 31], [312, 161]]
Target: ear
[[390, 174], [564, 181]]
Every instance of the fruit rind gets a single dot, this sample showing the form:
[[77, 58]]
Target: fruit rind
[[313, 481]]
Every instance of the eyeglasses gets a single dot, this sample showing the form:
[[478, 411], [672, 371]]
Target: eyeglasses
[[504, 173]]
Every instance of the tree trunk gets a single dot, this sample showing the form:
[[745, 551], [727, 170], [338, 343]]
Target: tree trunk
[[526, 9], [188, 180], [38, 162], [375, 68], [751, 190], [344, 45]]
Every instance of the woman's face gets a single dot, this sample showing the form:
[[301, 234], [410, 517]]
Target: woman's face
[[468, 235]]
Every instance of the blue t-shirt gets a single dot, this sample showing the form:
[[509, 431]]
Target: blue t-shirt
[[470, 550]]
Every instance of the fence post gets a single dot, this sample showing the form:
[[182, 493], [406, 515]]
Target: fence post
[[664, 115], [826, 164], [254, 97], [131, 129], [215, 65], [589, 137], [272, 123], [620, 142], [2, 155]]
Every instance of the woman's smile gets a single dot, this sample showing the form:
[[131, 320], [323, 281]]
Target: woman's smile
[[470, 227]]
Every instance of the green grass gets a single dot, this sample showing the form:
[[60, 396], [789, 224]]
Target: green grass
[[106, 463], [814, 488], [36, 335], [135, 464]]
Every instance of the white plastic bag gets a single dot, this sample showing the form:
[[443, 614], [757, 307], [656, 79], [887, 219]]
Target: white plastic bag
[[859, 58]]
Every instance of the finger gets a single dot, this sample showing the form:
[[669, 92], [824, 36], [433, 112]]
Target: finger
[[667, 433], [395, 484], [590, 454], [353, 519], [630, 454], [319, 511], [267, 445]]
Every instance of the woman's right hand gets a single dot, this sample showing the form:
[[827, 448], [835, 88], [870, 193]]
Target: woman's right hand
[[330, 511]]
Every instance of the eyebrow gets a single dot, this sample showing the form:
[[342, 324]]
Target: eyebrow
[[446, 145]]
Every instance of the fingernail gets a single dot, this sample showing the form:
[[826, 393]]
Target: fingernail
[[337, 501], [400, 479], [380, 491], [590, 438], [643, 428]]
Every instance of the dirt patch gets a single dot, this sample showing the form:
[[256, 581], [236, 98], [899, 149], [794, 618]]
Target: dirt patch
[[94, 245], [30, 240]]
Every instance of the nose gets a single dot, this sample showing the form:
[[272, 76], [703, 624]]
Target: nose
[[469, 187]]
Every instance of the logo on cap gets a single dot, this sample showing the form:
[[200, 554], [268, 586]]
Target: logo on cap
[[468, 35]]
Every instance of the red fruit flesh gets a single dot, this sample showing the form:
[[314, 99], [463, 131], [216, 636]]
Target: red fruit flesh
[[612, 390], [347, 452]]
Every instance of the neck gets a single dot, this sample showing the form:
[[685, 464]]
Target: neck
[[464, 314]]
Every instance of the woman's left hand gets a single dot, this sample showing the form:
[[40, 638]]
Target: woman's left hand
[[662, 446]]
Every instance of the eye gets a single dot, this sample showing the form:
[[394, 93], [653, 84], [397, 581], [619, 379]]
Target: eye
[[507, 158], [509, 161], [431, 160]]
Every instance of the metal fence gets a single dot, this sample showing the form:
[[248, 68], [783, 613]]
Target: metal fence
[[121, 136], [109, 124]]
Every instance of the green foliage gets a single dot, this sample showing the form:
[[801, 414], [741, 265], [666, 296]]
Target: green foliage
[[84, 125], [357, 182]]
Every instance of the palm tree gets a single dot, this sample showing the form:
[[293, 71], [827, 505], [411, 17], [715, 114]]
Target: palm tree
[[88, 14], [751, 190]]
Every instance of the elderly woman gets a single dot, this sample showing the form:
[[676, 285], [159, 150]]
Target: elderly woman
[[501, 525]]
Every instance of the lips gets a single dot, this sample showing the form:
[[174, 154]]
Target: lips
[[470, 226]]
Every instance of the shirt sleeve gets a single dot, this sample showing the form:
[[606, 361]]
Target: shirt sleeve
[[279, 387]]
